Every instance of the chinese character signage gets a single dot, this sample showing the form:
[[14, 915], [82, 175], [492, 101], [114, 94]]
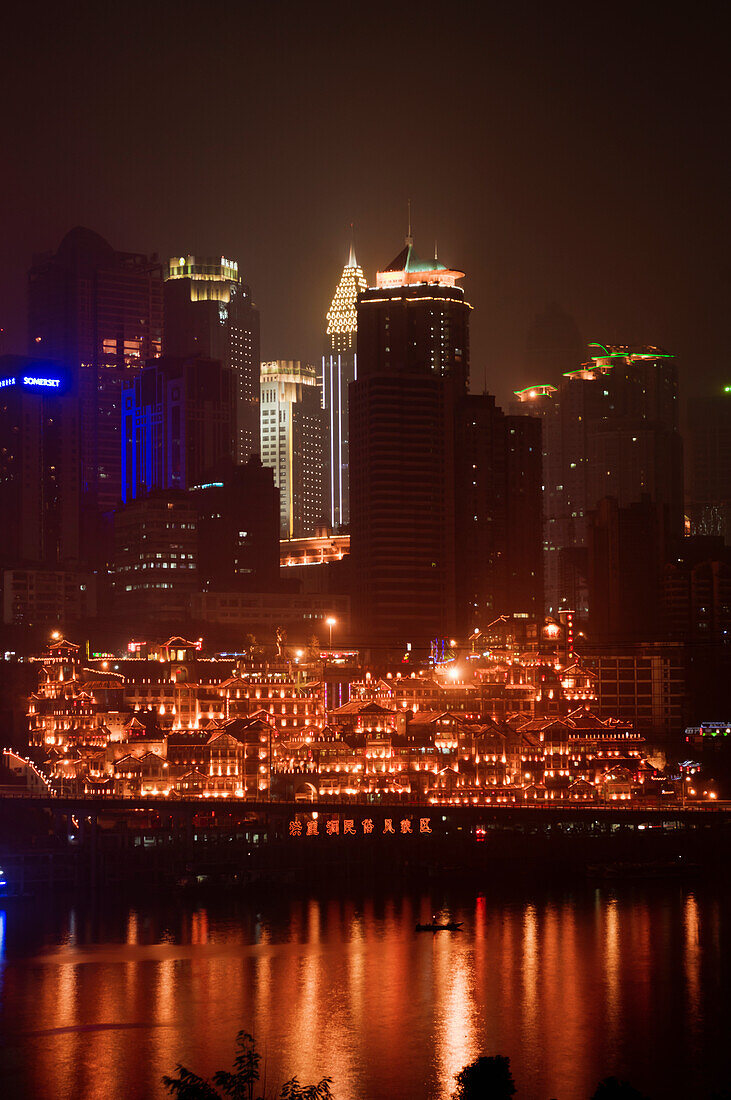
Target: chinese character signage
[[349, 827]]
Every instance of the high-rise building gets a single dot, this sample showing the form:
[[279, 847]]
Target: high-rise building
[[499, 570], [100, 314], [609, 430], [39, 494], [625, 552], [176, 424], [39, 463], [413, 367], [238, 528], [155, 558], [709, 464], [292, 443], [445, 489], [339, 369], [209, 312]]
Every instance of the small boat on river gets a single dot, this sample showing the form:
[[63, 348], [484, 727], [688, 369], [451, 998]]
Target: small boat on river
[[448, 926]]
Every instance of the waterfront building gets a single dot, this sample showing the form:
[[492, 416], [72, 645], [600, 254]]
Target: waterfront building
[[240, 727], [339, 369], [209, 312], [99, 313], [176, 424], [292, 443]]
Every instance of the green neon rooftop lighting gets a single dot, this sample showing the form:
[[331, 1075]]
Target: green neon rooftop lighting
[[541, 390]]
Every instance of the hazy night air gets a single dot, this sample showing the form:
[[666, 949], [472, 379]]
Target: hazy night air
[[557, 155]]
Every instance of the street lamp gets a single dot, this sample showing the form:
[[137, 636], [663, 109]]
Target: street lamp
[[331, 623]]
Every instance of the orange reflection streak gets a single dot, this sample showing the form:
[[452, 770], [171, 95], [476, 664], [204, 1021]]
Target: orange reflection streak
[[132, 927], [530, 974], [568, 1005], [454, 1038], [611, 967], [692, 958]]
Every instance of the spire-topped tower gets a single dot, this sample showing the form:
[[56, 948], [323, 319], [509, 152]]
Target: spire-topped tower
[[342, 321], [339, 369]]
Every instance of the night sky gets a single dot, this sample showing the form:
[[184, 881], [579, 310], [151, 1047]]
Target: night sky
[[576, 154]]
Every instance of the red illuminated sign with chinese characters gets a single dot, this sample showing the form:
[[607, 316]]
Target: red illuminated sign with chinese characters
[[367, 827]]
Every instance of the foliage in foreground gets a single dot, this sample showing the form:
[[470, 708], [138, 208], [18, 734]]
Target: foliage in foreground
[[485, 1079], [239, 1084]]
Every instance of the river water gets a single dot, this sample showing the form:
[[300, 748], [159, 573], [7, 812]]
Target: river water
[[99, 998]]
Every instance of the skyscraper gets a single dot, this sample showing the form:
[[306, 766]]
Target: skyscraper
[[609, 430], [498, 513], [100, 314], [445, 489], [339, 369], [176, 424], [39, 495], [292, 443], [413, 364], [238, 528], [39, 464], [209, 312]]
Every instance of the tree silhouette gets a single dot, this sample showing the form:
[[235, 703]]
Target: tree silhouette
[[239, 1084], [611, 1088], [485, 1079]]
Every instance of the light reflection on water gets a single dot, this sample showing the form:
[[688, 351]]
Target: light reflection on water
[[572, 986]]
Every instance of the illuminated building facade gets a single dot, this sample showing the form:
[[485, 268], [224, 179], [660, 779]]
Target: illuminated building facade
[[209, 312], [99, 313], [339, 369], [180, 722], [176, 424], [292, 443]]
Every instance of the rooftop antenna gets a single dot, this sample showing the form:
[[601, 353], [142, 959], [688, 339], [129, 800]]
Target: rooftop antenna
[[409, 238], [352, 262], [436, 254]]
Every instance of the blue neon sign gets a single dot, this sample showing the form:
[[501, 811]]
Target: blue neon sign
[[38, 380], [33, 381]]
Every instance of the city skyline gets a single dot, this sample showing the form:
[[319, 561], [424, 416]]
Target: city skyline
[[616, 232]]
